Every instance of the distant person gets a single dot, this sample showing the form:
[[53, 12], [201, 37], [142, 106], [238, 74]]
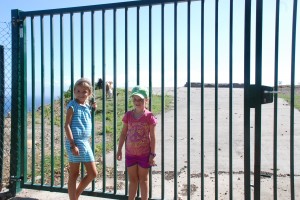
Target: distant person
[[100, 83], [139, 133], [78, 127]]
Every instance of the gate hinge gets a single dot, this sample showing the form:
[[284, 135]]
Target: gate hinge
[[260, 95], [16, 22], [16, 179]]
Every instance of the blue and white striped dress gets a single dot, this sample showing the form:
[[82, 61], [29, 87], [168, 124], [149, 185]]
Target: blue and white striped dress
[[81, 126]]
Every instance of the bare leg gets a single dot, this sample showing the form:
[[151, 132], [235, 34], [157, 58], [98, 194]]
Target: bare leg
[[73, 175], [133, 181], [91, 174], [144, 182]]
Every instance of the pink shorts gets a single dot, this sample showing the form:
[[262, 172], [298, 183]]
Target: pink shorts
[[142, 161]]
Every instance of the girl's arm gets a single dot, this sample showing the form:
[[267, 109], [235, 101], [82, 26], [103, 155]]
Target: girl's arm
[[152, 145], [152, 139], [68, 131], [121, 141]]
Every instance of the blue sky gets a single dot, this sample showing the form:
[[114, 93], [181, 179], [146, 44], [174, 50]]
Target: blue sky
[[209, 61]]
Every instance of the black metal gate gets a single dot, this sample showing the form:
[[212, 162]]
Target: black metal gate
[[209, 136]]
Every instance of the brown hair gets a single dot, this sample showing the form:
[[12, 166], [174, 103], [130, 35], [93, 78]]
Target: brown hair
[[84, 82]]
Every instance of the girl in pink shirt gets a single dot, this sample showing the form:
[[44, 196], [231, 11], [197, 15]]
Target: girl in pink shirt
[[139, 133]]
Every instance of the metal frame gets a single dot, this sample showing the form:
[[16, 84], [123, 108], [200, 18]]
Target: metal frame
[[253, 94]]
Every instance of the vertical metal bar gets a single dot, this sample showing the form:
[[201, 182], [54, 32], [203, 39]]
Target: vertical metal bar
[[202, 100], [230, 101], [93, 82], [275, 100], [258, 79], [138, 44], [82, 43], [175, 105], [150, 85], [18, 100], [150, 58], [82, 63], [162, 101], [216, 97], [115, 96], [292, 112], [126, 82], [126, 59], [52, 97], [72, 54], [42, 103], [188, 100], [33, 101], [23, 97], [103, 103], [247, 51], [62, 100], [2, 105]]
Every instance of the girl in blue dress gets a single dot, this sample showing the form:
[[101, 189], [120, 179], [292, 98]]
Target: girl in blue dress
[[78, 128]]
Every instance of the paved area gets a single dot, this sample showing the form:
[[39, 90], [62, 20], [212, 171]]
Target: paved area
[[167, 143]]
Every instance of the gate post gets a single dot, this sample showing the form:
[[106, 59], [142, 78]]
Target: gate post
[[17, 102]]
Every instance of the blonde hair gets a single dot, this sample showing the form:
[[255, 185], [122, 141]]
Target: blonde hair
[[84, 82]]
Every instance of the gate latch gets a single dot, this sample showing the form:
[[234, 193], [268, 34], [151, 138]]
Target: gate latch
[[260, 95], [16, 179]]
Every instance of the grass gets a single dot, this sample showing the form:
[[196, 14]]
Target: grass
[[120, 111], [109, 122], [287, 97], [109, 112]]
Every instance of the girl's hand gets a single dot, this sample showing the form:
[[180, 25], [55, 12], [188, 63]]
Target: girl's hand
[[75, 151], [119, 155], [152, 161], [94, 105]]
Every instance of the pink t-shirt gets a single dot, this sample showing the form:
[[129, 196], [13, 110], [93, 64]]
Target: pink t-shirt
[[138, 133]]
